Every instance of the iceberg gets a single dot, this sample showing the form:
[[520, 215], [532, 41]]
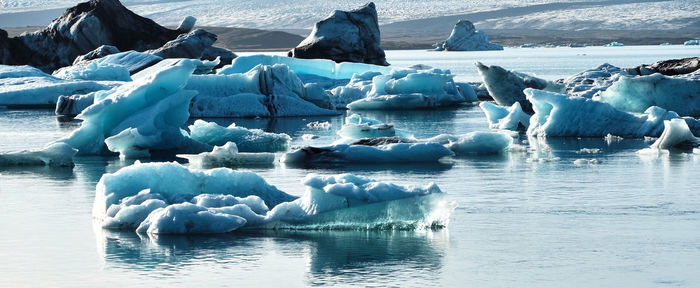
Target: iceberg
[[25, 86], [614, 44], [228, 156], [133, 61], [264, 91], [503, 118], [365, 154], [345, 36], [670, 67], [140, 116], [465, 37], [358, 127], [96, 71], [558, 115], [409, 89], [636, 94], [221, 200], [247, 140], [319, 67], [692, 42], [56, 155], [477, 142], [676, 135], [592, 82], [506, 87]]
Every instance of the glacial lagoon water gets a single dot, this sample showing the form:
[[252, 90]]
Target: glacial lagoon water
[[628, 221]]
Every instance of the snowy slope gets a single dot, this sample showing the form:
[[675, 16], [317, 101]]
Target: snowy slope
[[288, 14]]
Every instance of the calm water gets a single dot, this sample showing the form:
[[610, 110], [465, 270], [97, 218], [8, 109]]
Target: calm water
[[629, 221]]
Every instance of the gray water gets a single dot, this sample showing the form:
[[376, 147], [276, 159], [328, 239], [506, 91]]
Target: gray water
[[629, 221]]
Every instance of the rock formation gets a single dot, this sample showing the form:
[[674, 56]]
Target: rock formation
[[82, 29], [465, 37], [345, 36]]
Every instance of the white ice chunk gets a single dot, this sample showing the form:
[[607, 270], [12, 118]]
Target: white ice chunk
[[499, 117], [480, 142], [55, 154], [228, 156], [247, 140], [676, 134]]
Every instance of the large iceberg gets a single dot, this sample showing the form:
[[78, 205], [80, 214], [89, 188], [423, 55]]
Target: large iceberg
[[247, 140], [636, 94], [23, 86], [140, 116], [222, 200], [345, 36], [506, 87], [592, 82], [264, 91], [562, 115], [465, 37]]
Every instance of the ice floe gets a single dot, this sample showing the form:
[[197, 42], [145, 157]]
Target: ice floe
[[56, 154], [221, 200], [228, 156], [247, 140]]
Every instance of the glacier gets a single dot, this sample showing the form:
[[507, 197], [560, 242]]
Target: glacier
[[221, 200]]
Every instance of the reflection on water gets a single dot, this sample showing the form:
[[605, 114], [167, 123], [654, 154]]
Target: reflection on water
[[333, 258]]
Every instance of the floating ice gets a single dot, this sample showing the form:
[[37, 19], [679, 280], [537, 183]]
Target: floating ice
[[676, 135], [166, 198], [264, 91], [636, 94], [478, 142], [692, 42], [133, 61], [391, 153], [247, 140], [228, 156], [561, 115], [319, 125], [506, 87], [499, 117], [358, 127], [409, 89], [319, 67], [308, 137], [614, 44], [26, 86], [586, 161], [94, 71], [140, 116], [56, 154], [592, 82], [465, 37]]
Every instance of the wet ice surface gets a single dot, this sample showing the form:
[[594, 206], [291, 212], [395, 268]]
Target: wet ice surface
[[629, 221]]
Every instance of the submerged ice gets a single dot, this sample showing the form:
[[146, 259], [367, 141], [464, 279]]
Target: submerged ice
[[167, 198]]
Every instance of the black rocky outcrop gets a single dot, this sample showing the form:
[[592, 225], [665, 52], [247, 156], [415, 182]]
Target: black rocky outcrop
[[345, 36]]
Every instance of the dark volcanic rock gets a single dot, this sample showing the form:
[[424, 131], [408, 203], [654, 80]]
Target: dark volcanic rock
[[667, 67], [345, 36], [83, 28]]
